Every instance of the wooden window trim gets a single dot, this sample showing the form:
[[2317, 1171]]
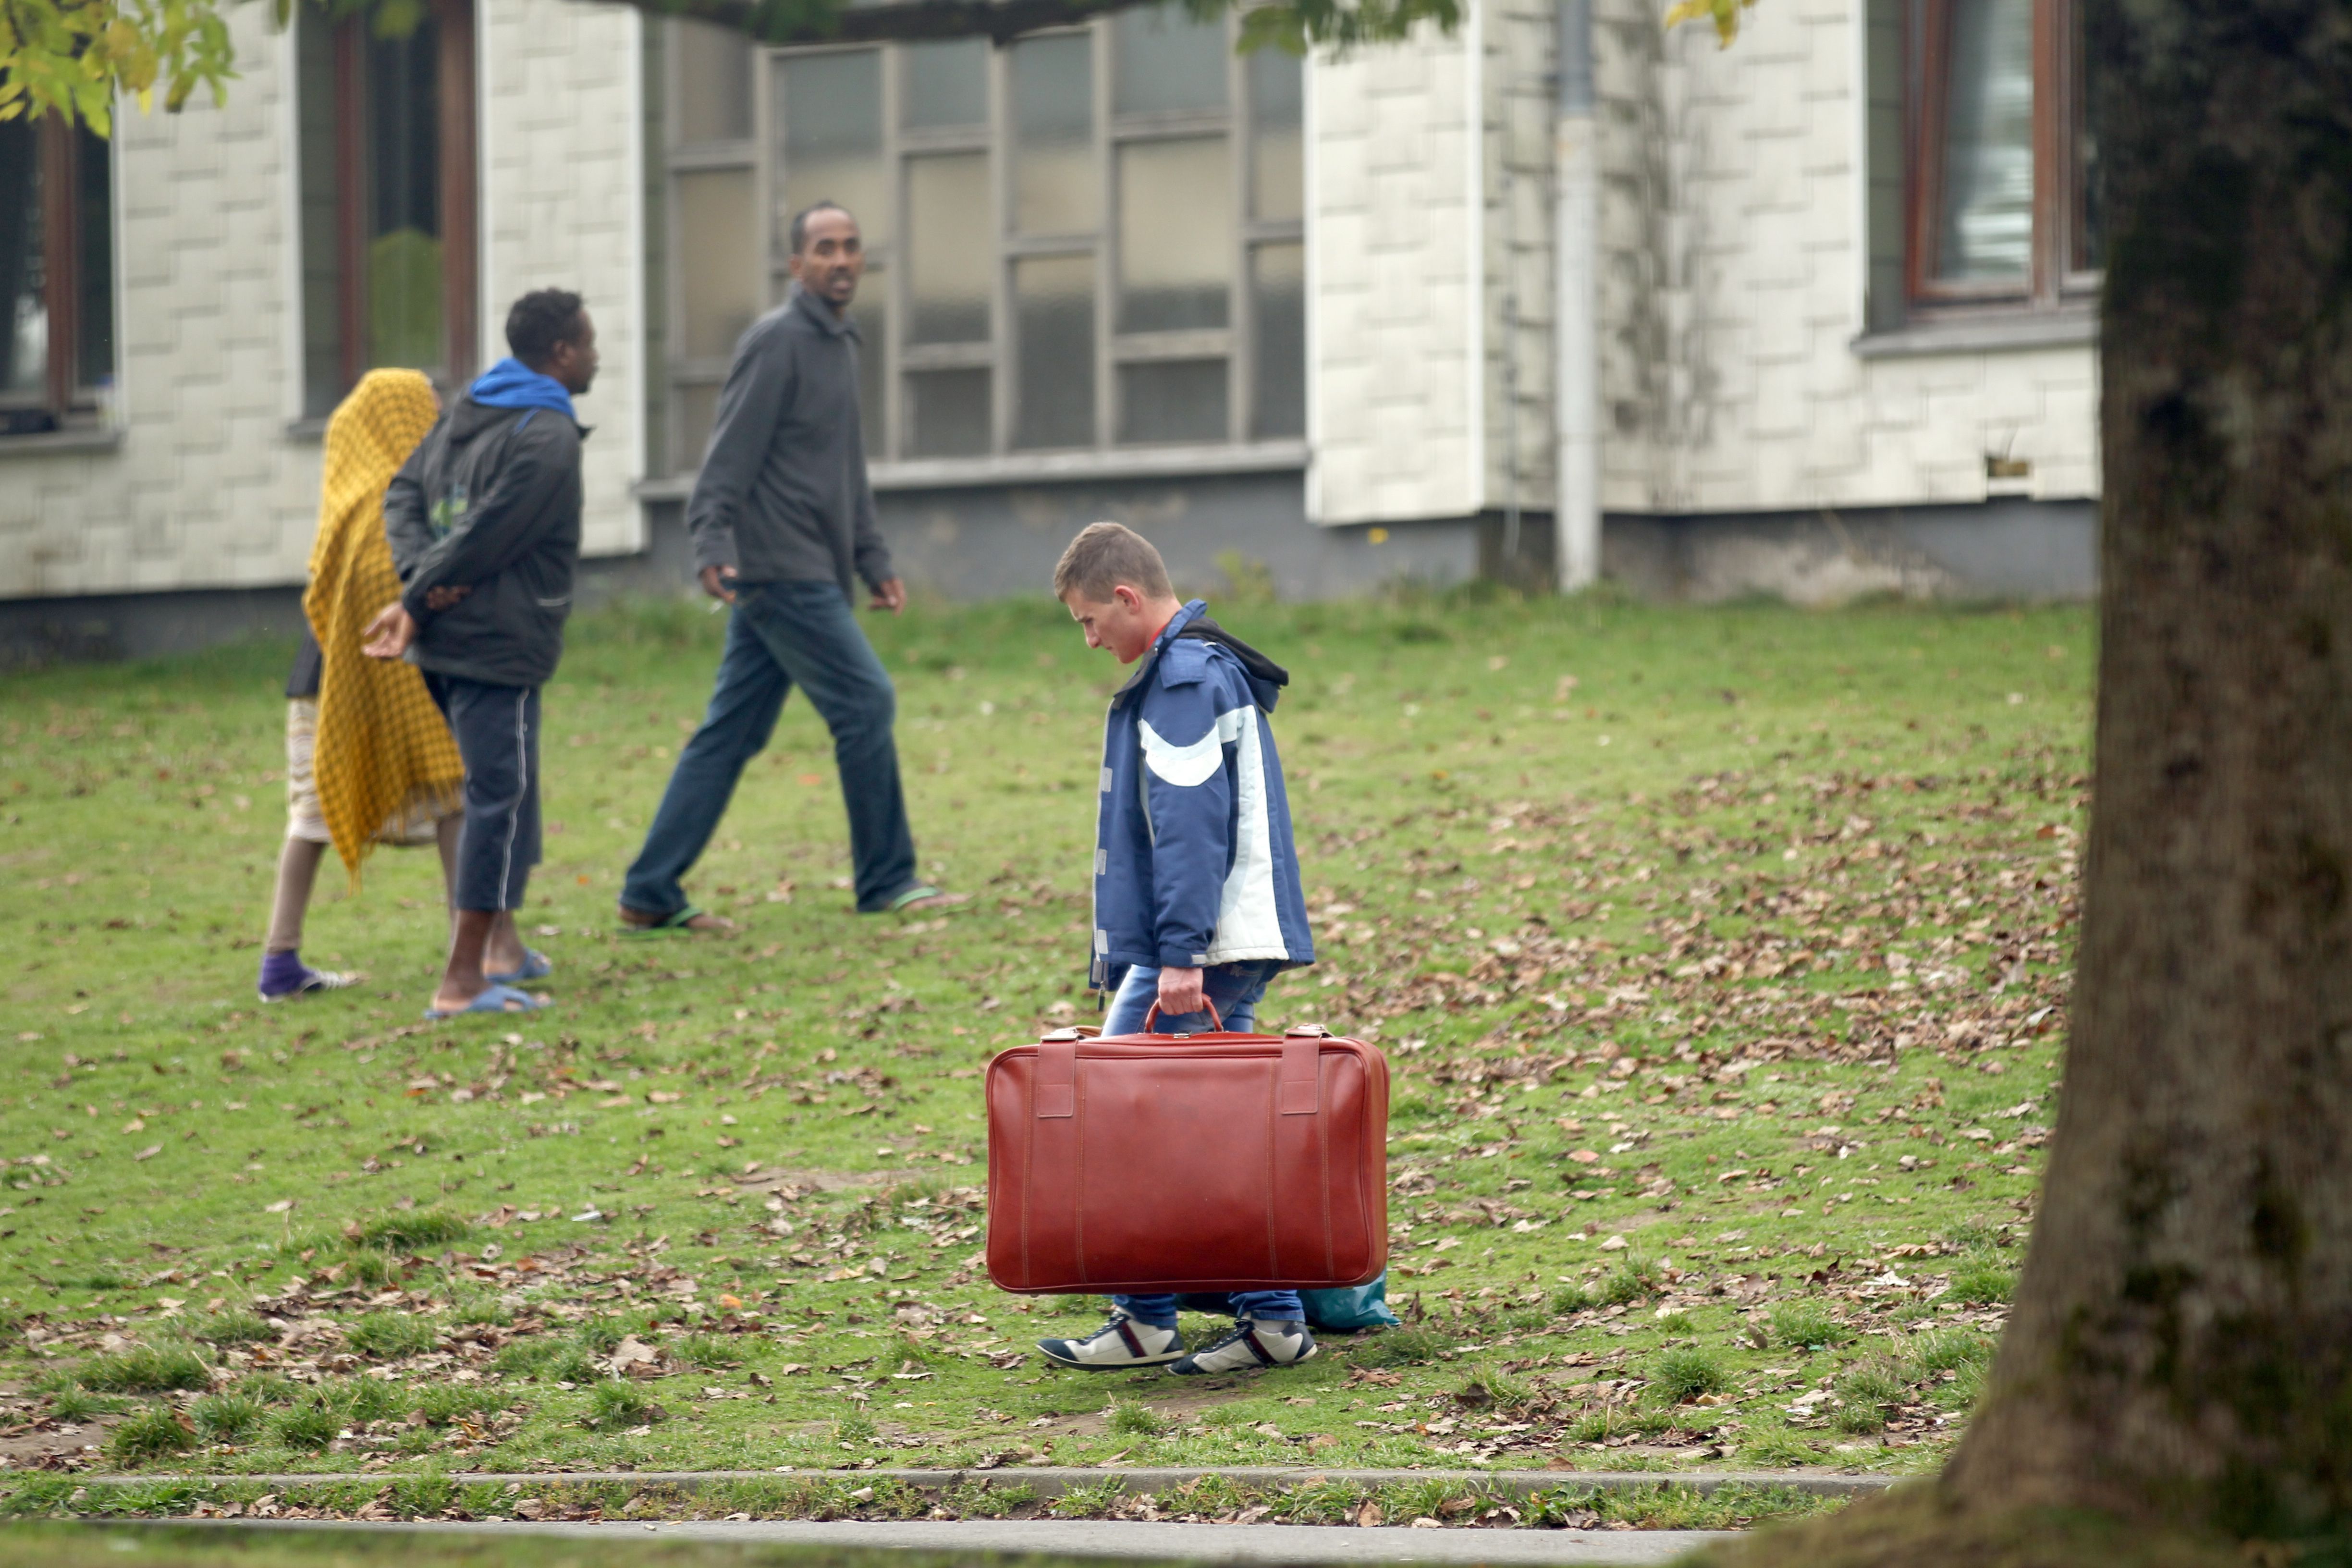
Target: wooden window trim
[[2064, 42], [2052, 281], [460, 204], [352, 193], [61, 257]]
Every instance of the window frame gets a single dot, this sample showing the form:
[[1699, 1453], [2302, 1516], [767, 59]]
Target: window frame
[[2052, 281], [458, 182], [65, 399], [1236, 344]]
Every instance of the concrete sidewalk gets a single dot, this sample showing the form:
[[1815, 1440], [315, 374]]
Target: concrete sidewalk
[[1268, 1544], [1047, 1481]]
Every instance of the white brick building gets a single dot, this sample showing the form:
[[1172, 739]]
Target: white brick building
[[1841, 275]]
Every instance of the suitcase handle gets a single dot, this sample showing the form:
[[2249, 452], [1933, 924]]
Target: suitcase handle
[[1152, 1016]]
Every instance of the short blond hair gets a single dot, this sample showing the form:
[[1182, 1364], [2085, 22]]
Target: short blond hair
[[1103, 556]]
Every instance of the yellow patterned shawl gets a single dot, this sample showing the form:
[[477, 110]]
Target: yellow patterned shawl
[[383, 752]]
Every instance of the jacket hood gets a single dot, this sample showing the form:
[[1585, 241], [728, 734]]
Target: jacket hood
[[1267, 677], [469, 419], [1192, 624], [510, 384]]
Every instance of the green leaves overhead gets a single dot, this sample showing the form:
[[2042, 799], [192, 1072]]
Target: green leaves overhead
[[1724, 13], [76, 57]]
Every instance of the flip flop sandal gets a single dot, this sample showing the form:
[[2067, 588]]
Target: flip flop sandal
[[678, 922], [920, 892], [497, 999], [536, 966]]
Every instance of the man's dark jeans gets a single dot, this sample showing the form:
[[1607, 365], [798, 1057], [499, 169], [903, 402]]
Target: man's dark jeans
[[780, 634], [497, 729]]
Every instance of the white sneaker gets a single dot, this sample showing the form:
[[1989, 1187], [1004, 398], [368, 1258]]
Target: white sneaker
[[1118, 1345], [1254, 1343]]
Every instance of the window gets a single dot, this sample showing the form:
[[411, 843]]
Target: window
[[57, 275], [388, 192], [2002, 185], [1086, 239]]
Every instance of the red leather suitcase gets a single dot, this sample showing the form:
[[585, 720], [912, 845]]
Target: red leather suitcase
[[1143, 1163]]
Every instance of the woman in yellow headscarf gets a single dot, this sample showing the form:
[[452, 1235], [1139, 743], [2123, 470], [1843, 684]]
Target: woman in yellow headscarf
[[369, 757]]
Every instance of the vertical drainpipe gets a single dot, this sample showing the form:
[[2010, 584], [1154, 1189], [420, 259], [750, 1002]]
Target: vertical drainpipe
[[1576, 254]]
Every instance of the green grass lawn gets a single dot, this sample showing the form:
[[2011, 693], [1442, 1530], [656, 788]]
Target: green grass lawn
[[168, 1546], [1720, 956]]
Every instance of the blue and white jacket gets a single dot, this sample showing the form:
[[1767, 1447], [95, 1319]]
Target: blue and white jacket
[[1193, 863]]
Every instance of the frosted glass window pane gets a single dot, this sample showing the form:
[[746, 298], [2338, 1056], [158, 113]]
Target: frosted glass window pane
[[1055, 185], [94, 219], [1167, 61], [829, 108], [718, 260], [698, 411], [870, 314], [1177, 400], [24, 328], [404, 276], [1986, 232], [1175, 234], [322, 304], [1055, 306], [714, 83], [947, 414], [946, 84], [2090, 190], [949, 240], [1278, 297], [1276, 187]]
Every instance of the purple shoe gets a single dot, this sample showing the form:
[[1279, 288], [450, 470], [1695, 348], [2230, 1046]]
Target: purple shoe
[[284, 974]]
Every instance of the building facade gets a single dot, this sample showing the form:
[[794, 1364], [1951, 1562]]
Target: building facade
[[1299, 315]]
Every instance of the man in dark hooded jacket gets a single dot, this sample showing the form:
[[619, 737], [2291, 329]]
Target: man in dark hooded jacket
[[484, 525]]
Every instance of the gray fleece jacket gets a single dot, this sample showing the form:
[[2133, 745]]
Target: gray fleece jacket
[[783, 496]]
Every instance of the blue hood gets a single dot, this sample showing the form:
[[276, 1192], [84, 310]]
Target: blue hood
[[510, 384]]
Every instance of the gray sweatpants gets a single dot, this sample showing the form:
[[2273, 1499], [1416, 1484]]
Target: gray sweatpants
[[497, 729]]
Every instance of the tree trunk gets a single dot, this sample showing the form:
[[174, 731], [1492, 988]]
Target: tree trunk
[[2180, 1351]]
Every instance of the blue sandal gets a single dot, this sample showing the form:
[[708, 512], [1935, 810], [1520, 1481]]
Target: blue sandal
[[536, 966], [497, 999]]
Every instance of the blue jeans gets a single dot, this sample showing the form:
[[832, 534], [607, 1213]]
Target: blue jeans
[[1234, 989], [779, 634]]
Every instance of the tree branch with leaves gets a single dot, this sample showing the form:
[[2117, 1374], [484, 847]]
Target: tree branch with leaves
[[78, 57]]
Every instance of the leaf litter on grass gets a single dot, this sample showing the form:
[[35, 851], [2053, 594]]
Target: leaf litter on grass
[[1753, 1012]]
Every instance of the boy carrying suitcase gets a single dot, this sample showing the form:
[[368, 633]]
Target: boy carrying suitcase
[[1197, 899]]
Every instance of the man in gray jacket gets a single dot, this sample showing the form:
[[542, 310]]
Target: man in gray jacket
[[783, 525]]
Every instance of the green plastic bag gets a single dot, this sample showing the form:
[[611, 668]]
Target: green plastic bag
[[1344, 1311]]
